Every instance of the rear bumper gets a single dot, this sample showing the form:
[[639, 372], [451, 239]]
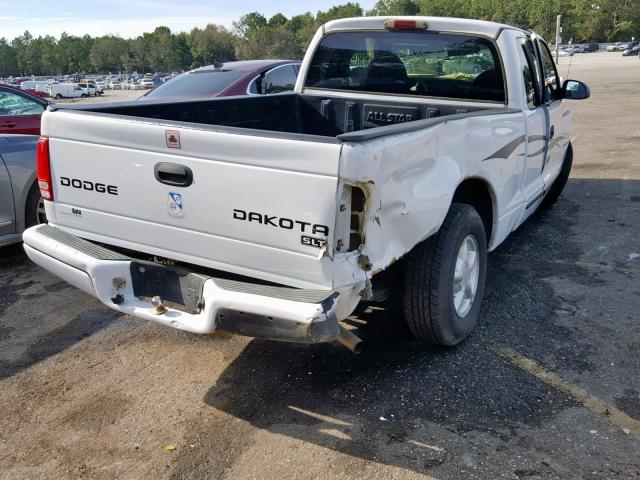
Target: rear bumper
[[217, 304]]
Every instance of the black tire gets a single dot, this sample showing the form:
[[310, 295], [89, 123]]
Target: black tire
[[58, 96], [559, 183], [428, 280], [31, 216], [84, 95]]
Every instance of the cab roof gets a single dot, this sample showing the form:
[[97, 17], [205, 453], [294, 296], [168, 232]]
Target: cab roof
[[442, 24]]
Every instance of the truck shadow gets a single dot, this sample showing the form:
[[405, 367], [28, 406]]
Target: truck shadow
[[399, 401], [38, 327]]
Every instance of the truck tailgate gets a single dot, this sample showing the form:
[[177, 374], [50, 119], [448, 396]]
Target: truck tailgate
[[250, 204]]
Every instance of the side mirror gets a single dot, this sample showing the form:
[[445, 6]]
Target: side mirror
[[575, 90]]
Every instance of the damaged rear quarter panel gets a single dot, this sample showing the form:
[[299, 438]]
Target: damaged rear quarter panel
[[411, 179]]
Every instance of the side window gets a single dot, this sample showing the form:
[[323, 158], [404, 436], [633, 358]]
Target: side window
[[280, 79], [254, 86], [12, 104], [551, 78], [531, 74]]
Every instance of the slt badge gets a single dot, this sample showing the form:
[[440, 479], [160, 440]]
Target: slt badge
[[174, 204]]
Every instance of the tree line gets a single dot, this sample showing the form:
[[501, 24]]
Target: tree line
[[255, 36]]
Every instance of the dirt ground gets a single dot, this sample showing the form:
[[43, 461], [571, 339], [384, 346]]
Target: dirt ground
[[547, 387], [107, 96]]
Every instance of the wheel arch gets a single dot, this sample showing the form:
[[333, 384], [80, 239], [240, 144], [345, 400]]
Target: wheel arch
[[478, 193]]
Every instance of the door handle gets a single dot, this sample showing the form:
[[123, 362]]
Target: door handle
[[173, 174], [552, 131], [9, 124]]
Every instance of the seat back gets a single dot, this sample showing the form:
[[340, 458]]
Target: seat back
[[386, 73]]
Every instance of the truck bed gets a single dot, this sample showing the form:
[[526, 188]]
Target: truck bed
[[226, 201], [300, 115]]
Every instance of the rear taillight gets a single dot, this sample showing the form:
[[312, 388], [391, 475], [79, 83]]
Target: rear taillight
[[43, 168]]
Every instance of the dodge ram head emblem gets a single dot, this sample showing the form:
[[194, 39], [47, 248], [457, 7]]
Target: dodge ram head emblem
[[173, 138], [174, 204]]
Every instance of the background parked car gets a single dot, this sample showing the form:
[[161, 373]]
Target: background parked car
[[621, 47], [65, 90], [251, 77], [93, 87], [562, 53], [20, 203], [88, 89], [631, 51], [20, 111], [591, 47], [132, 85], [33, 86]]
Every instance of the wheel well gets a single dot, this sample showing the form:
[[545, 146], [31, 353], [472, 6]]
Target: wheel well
[[478, 194]]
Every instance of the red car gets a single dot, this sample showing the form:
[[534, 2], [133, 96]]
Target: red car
[[33, 91], [249, 77], [20, 111]]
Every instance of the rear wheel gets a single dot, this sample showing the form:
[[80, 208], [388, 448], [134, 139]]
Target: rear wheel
[[34, 213], [58, 96], [559, 183], [444, 279]]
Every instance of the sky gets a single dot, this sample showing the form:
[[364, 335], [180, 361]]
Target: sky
[[129, 18]]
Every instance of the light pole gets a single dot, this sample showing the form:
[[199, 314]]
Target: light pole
[[558, 30]]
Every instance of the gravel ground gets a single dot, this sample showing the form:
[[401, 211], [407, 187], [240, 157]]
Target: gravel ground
[[548, 386]]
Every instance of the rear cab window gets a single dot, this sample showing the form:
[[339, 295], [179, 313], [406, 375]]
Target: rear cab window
[[428, 64]]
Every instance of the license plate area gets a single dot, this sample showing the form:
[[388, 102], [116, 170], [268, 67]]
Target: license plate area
[[173, 284]]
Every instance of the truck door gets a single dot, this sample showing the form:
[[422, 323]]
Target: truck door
[[556, 113], [536, 124]]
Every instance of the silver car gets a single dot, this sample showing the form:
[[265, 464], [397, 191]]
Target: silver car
[[20, 203]]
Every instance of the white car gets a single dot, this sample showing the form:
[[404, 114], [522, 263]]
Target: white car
[[275, 216], [100, 87], [133, 85], [146, 83], [89, 88], [562, 53]]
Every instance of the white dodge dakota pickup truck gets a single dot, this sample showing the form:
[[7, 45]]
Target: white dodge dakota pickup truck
[[409, 148]]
